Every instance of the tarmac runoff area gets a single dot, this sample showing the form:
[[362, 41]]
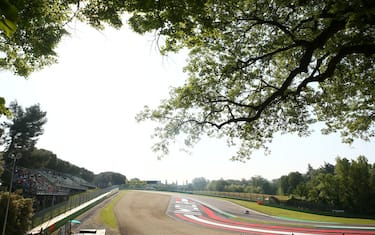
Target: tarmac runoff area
[[219, 214]]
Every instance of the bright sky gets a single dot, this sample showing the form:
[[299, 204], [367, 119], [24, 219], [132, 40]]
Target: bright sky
[[103, 79]]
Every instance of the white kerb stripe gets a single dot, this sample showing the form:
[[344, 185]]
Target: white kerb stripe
[[242, 228]]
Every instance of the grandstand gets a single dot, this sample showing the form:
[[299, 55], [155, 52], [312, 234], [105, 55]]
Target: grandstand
[[62, 180], [48, 187], [83, 182]]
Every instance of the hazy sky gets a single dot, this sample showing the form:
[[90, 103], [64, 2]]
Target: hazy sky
[[103, 79]]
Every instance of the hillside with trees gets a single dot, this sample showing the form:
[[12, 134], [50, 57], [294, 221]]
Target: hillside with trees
[[41, 158]]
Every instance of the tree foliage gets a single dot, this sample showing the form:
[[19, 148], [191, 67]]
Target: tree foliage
[[39, 25], [349, 186], [264, 66], [256, 67], [1, 164], [21, 132], [9, 17], [199, 183], [19, 216], [106, 179], [3, 109], [45, 159], [256, 184]]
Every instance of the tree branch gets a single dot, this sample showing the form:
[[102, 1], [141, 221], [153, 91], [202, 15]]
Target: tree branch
[[361, 49], [305, 60], [270, 22], [254, 59], [228, 101]]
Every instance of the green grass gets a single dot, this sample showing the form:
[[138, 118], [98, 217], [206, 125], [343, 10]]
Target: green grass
[[300, 215], [107, 215]]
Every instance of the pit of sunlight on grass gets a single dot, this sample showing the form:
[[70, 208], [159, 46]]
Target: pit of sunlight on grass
[[295, 215], [107, 215]]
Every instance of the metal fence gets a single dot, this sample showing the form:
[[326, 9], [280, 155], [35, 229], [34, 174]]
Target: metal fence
[[73, 202]]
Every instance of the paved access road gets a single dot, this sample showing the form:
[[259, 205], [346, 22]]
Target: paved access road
[[167, 213]]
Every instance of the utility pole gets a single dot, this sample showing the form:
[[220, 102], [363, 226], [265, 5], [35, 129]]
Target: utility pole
[[15, 157]]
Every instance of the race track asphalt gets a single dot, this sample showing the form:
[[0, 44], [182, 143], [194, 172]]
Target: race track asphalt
[[155, 213], [144, 213]]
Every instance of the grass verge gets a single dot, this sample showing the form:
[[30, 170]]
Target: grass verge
[[107, 215], [300, 215]]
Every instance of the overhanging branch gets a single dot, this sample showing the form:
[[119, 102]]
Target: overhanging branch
[[280, 93], [347, 50]]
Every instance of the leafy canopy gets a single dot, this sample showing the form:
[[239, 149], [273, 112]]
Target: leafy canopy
[[258, 67]]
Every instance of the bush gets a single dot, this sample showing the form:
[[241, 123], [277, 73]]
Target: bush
[[19, 214]]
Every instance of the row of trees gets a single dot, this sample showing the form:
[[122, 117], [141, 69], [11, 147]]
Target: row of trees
[[348, 185], [256, 184]]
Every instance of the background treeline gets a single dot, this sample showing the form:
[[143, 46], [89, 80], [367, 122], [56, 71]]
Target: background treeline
[[348, 185], [41, 158], [45, 159]]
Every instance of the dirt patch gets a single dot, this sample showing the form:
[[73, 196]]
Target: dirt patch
[[142, 213]]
